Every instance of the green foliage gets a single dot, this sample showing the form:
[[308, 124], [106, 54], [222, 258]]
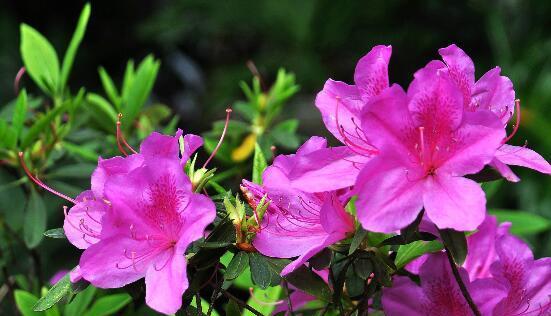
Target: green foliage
[[71, 52], [523, 223], [259, 164], [35, 220]]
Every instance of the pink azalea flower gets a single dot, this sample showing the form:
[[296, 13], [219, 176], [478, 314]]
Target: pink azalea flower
[[526, 281], [438, 294], [491, 92], [297, 223], [153, 216], [504, 278], [138, 219], [426, 144], [341, 106]]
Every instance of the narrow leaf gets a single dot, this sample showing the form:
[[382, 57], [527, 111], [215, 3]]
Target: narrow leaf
[[40, 125], [358, 238], [35, 221], [56, 233], [71, 52], [40, 59], [54, 295], [24, 302], [523, 223], [259, 164], [412, 251], [109, 87]]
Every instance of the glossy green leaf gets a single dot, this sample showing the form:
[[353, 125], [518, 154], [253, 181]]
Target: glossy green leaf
[[40, 59], [456, 242], [102, 111], [261, 273], [56, 233], [309, 282], [237, 265], [12, 201], [412, 251], [24, 302], [259, 164], [108, 305], [61, 289], [35, 220], [523, 223], [71, 52]]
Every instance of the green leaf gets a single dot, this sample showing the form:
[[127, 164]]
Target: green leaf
[[309, 282], [40, 125], [261, 273], [25, 301], [134, 97], [81, 302], [109, 305], [56, 233], [19, 113], [12, 201], [358, 238], [81, 151], [102, 111], [523, 223], [412, 251], [232, 309], [259, 164], [35, 220], [40, 59], [237, 265], [109, 87], [71, 52], [456, 242], [54, 295], [78, 171]]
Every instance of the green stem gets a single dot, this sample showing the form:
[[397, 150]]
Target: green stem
[[462, 286]]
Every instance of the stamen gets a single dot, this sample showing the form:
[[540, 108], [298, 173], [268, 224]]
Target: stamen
[[347, 140], [517, 123], [228, 113], [17, 80], [251, 292], [40, 183], [164, 265], [120, 138]]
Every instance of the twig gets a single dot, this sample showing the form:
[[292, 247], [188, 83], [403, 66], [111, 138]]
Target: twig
[[241, 303], [462, 286], [214, 297], [289, 303], [198, 303]]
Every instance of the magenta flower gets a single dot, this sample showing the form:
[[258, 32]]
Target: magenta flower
[[341, 106], [527, 282], [504, 278], [438, 293], [153, 216], [491, 92], [426, 144], [297, 223], [138, 219]]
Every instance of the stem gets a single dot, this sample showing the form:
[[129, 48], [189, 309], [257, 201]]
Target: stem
[[241, 303], [462, 286], [214, 297], [289, 303], [198, 303]]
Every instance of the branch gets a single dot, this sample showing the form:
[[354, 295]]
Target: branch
[[462, 286], [241, 303], [289, 304]]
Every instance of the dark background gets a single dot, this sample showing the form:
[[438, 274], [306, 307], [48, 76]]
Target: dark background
[[204, 46]]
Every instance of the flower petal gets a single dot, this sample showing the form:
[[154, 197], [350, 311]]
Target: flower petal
[[165, 283], [402, 298], [312, 250], [157, 145], [460, 69], [521, 156], [346, 98], [111, 167], [333, 217], [495, 92], [504, 170], [454, 202], [116, 261], [191, 144], [371, 74], [389, 196], [82, 225]]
